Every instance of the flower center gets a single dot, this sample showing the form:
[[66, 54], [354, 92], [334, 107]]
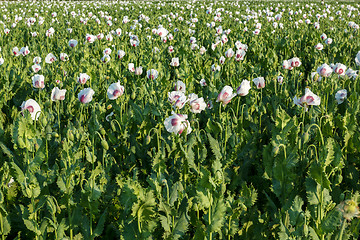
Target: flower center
[[30, 108]]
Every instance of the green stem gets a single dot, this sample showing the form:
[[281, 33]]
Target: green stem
[[70, 217], [58, 115], [342, 229]]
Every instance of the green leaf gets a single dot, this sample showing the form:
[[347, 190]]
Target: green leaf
[[5, 225], [180, 227], [214, 145], [332, 221], [61, 229], [218, 210], [319, 175], [32, 226], [100, 226], [19, 175]]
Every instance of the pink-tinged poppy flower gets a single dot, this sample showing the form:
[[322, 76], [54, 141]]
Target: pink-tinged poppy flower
[[180, 102], [280, 79], [120, 54], [203, 82], [256, 32], [86, 95], [308, 99], [224, 39], [197, 104], [229, 53], [240, 54], [240, 46], [175, 62], [357, 59], [162, 32], [222, 60], [2, 61], [58, 94], [171, 49], [16, 51], [315, 76], [295, 62], [202, 50], [340, 96], [36, 68], [152, 74], [90, 38], [287, 65], [83, 78], [118, 32], [64, 57], [319, 46], [351, 73], [109, 37], [6, 31], [105, 58], [340, 69], [115, 90], [259, 82], [50, 32], [107, 51], [38, 81], [138, 70], [225, 95], [24, 51], [50, 58], [324, 70], [37, 60], [174, 96], [323, 36], [244, 88], [177, 123], [180, 86], [73, 43], [99, 37], [131, 67], [33, 107], [215, 67], [328, 41]]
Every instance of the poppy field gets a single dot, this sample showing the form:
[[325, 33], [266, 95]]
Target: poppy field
[[179, 120]]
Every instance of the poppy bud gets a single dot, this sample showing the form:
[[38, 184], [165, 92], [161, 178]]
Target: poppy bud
[[43, 121], [21, 143], [54, 134], [148, 139], [105, 144], [102, 131], [276, 150], [133, 95], [71, 136], [306, 137]]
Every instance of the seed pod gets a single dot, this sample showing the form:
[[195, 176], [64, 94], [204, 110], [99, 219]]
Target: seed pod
[[55, 134], [70, 135], [133, 95], [43, 121], [109, 107], [148, 139], [306, 137], [105, 144], [276, 150], [102, 131], [21, 142]]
